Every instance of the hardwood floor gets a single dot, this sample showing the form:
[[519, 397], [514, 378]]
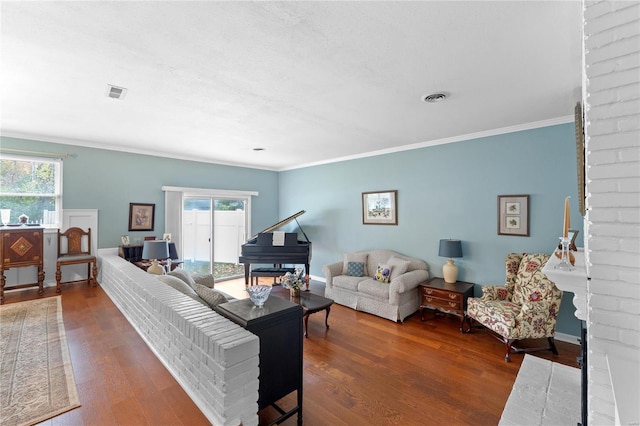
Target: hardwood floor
[[364, 370]]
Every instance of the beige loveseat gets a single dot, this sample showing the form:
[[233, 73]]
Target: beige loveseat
[[394, 300]]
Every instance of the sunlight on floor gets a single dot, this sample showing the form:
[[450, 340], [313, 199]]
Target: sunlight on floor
[[236, 287]]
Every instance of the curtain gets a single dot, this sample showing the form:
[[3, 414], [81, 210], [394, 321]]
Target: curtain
[[173, 217]]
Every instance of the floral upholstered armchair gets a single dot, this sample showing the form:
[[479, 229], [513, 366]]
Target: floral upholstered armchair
[[526, 307]]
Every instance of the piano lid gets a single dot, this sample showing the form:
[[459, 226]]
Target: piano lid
[[278, 225]]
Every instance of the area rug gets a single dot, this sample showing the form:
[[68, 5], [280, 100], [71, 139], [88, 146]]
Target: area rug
[[544, 393], [36, 377]]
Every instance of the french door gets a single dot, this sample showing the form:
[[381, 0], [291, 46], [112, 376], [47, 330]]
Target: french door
[[213, 231]]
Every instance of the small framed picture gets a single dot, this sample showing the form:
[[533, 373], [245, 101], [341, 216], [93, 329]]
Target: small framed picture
[[166, 236], [513, 215], [125, 240], [141, 216], [380, 208]]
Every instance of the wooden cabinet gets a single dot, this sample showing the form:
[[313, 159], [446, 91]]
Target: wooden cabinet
[[131, 253], [446, 297], [20, 247], [279, 326]]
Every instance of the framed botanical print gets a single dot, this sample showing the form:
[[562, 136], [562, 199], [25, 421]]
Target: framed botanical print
[[380, 208], [141, 216], [513, 215]]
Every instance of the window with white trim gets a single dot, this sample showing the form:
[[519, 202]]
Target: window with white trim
[[31, 186]]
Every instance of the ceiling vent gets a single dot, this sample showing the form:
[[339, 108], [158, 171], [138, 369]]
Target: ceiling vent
[[435, 97], [116, 92]]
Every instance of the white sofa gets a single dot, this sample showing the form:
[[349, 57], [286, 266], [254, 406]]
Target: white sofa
[[394, 300]]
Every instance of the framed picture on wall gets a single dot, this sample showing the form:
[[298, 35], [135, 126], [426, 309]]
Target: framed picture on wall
[[141, 216], [513, 215], [380, 208]]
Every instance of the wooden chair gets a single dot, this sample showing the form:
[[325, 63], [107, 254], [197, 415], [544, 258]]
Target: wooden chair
[[74, 248]]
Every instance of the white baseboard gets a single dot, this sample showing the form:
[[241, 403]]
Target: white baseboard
[[567, 338], [317, 278]]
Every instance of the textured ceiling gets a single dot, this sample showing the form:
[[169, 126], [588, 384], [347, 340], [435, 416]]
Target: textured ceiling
[[310, 82]]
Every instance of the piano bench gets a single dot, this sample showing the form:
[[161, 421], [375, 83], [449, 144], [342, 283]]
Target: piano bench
[[270, 272]]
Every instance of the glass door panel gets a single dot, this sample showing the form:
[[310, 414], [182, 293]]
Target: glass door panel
[[212, 238], [196, 235], [229, 229]]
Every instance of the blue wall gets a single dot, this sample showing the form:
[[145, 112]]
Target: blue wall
[[445, 191], [110, 180]]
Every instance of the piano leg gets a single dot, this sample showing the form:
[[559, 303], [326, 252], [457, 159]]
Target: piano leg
[[247, 270], [306, 277]]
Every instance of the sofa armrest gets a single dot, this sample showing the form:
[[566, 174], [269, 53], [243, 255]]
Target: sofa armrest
[[406, 282], [495, 292], [330, 271]]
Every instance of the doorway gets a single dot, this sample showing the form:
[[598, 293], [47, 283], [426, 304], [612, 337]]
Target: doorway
[[213, 231]]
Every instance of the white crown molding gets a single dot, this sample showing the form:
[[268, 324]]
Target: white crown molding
[[120, 148], [453, 139]]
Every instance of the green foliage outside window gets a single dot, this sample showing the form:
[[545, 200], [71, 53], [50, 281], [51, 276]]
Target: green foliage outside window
[[219, 205], [229, 205], [28, 187]]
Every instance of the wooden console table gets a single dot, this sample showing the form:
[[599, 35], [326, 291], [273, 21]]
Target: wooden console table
[[133, 253], [446, 297], [145, 265], [279, 326], [21, 246]]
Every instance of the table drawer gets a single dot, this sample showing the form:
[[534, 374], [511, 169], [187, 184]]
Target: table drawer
[[441, 294], [442, 303]]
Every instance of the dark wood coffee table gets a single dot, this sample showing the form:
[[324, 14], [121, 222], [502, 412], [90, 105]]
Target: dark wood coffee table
[[311, 303]]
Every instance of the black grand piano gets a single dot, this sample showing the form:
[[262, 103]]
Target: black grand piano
[[276, 248]]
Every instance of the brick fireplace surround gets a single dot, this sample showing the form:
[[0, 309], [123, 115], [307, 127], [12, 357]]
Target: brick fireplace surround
[[611, 96]]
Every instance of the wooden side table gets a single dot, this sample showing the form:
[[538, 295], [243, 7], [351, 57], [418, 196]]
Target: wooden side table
[[446, 297]]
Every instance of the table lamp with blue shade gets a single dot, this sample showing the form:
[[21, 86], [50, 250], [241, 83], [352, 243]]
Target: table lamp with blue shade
[[153, 250], [450, 248]]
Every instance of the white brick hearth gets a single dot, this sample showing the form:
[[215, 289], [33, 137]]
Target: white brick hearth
[[544, 393]]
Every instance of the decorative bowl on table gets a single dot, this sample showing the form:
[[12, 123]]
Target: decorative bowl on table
[[259, 294]]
